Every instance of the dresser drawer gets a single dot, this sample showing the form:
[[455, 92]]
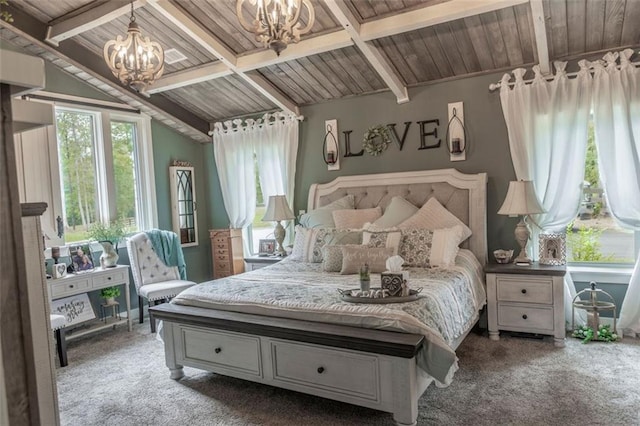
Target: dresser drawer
[[221, 350], [333, 370], [523, 317], [525, 289], [64, 287], [114, 277]]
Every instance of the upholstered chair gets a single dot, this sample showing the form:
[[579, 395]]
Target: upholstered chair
[[58, 322], [154, 280]]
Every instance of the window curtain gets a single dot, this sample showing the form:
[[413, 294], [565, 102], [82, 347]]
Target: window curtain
[[547, 123], [616, 112]]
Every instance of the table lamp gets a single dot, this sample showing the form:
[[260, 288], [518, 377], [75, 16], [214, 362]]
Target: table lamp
[[277, 210], [521, 201]]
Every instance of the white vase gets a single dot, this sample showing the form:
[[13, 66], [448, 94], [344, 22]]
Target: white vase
[[109, 256]]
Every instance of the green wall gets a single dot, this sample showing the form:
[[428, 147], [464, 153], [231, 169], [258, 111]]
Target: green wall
[[488, 149]]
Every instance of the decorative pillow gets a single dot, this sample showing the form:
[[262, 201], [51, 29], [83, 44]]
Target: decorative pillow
[[424, 248], [332, 257], [432, 215], [322, 216], [382, 239], [396, 212], [308, 243], [353, 257], [355, 219]]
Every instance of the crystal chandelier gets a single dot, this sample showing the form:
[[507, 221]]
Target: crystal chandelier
[[136, 61], [276, 21]]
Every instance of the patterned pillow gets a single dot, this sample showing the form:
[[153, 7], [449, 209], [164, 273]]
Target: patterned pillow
[[308, 243], [424, 248], [432, 215], [332, 257], [353, 257], [355, 219], [382, 239], [322, 217]]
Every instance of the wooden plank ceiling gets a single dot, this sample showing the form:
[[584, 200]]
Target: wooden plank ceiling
[[355, 47]]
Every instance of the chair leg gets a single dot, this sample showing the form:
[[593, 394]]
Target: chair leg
[[141, 309], [61, 343]]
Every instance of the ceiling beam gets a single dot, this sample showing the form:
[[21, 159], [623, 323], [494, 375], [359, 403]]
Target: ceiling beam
[[87, 20], [370, 52], [540, 31], [190, 76], [214, 46], [431, 15]]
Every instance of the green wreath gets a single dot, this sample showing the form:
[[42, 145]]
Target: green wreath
[[376, 139]]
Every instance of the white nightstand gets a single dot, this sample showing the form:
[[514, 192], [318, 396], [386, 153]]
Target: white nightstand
[[528, 299], [257, 262]]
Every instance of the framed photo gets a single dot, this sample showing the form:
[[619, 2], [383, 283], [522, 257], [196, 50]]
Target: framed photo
[[76, 309], [553, 249], [81, 258], [267, 247]]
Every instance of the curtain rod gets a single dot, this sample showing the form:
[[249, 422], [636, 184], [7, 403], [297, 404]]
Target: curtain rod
[[550, 77]]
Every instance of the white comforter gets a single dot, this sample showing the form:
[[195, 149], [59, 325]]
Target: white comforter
[[448, 306]]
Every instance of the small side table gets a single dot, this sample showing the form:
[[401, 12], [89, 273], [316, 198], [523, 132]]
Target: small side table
[[257, 262], [115, 311], [528, 299]]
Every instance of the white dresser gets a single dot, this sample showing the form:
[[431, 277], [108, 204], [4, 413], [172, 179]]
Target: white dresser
[[527, 299], [95, 279]]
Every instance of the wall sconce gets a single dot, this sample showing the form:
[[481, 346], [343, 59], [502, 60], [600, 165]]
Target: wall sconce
[[456, 135], [330, 145]]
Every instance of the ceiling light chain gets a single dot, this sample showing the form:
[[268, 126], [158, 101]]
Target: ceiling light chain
[[136, 61], [276, 22]]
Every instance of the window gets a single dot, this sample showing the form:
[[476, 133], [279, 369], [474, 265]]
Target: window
[[106, 170], [259, 229], [594, 236]]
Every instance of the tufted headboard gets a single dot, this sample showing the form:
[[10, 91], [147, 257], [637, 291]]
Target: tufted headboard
[[464, 195]]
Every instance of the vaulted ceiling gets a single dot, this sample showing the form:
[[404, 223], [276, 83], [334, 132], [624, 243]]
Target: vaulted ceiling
[[355, 47]]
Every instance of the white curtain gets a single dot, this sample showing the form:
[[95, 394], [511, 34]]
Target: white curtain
[[274, 140], [616, 113], [547, 124]]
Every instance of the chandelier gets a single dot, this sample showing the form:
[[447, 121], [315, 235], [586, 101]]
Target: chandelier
[[276, 21], [136, 61]]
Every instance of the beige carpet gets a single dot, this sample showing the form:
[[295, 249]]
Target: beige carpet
[[119, 378]]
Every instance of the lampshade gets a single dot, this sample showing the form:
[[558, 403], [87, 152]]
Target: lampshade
[[521, 199], [278, 209]]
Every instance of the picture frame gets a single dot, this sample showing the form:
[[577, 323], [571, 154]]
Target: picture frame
[[81, 258], [553, 249], [76, 309], [266, 247]]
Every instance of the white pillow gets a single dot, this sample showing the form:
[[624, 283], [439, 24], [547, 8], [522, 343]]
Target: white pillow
[[322, 216], [308, 242], [444, 246], [432, 215], [396, 212], [355, 219]]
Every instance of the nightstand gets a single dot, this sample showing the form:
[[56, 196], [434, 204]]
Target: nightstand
[[257, 262], [528, 299]]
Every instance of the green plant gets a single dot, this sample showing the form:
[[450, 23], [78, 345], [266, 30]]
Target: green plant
[[364, 273], [111, 232], [584, 245], [587, 334], [110, 292]]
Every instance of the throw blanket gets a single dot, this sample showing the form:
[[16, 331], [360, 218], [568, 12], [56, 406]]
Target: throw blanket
[[448, 306], [167, 246]]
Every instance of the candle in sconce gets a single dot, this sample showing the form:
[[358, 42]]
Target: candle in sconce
[[455, 146], [331, 157]]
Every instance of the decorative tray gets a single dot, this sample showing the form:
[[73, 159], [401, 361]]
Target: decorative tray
[[346, 295]]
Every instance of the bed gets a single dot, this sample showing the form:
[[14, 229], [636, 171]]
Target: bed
[[286, 325]]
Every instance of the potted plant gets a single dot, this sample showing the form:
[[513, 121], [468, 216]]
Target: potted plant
[[365, 279], [108, 235], [110, 294]]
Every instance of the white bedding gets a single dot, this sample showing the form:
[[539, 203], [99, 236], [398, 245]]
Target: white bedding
[[449, 304]]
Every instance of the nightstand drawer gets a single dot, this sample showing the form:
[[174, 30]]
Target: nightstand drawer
[[525, 289], [524, 317]]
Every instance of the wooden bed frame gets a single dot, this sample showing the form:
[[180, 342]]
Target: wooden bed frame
[[366, 367]]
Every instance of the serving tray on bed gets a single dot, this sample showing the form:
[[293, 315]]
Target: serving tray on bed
[[347, 297]]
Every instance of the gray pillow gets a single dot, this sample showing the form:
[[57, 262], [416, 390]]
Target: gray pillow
[[353, 257], [396, 212], [322, 217]]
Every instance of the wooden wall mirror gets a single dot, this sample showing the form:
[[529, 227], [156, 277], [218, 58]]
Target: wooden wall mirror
[[183, 204]]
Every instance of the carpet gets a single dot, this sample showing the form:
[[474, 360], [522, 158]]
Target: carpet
[[119, 378]]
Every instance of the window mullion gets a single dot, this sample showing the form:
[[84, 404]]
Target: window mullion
[[104, 166]]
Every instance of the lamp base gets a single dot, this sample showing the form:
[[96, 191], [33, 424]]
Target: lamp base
[[279, 234], [522, 237]]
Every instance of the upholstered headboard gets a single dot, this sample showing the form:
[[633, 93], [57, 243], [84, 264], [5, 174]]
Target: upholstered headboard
[[464, 195]]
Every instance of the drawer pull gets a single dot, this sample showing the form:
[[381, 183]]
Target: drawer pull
[[320, 370], [524, 316], [218, 350], [108, 278], [70, 285], [524, 291]]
